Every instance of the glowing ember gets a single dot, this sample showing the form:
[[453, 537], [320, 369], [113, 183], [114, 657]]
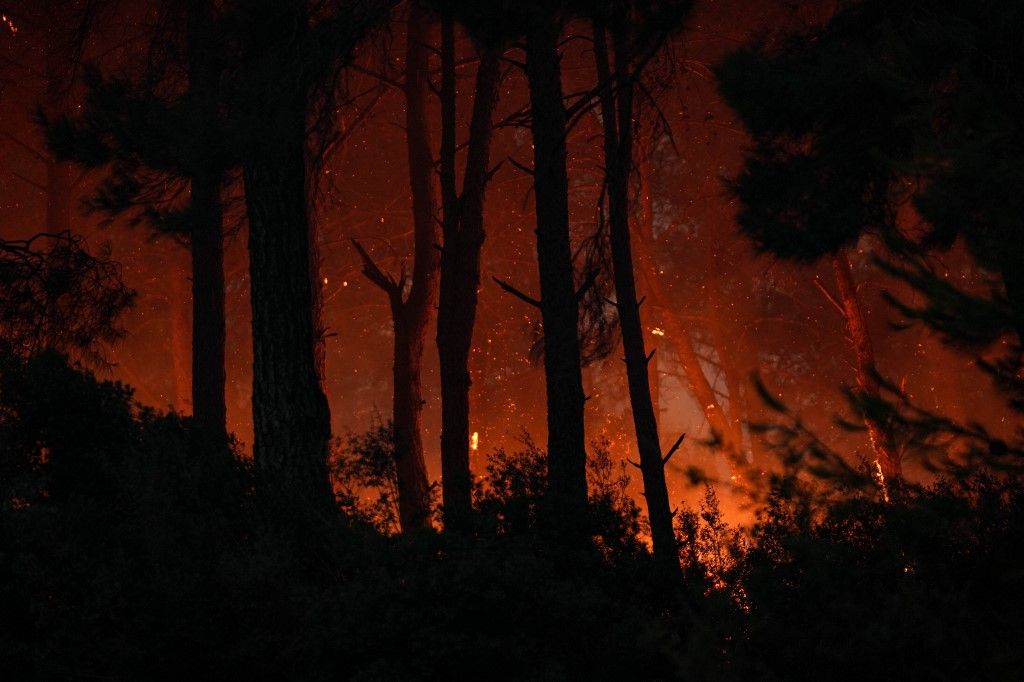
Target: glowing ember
[[474, 441], [880, 478]]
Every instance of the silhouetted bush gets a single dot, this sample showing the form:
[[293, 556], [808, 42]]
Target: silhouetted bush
[[128, 551]]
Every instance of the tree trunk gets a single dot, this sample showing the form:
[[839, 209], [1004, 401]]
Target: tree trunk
[[291, 418], [678, 336], [407, 406], [209, 376], [675, 330], [617, 116], [413, 315], [646, 218], [558, 304], [867, 374], [464, 234], [747, 365], [726, 342]]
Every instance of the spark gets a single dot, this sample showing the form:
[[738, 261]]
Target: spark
[[474, 441], [11, 26], [657, 331]]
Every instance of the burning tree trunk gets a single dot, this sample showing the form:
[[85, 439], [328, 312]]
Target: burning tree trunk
[[463, 227], [411, 314], [731, 347], [739, 354], [559, 300], [291, 417], [617, 116], [867, 374]]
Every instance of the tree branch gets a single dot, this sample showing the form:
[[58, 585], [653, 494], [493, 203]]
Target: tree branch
[[376, 275], [672, 450], [508, 288], [831, 299]]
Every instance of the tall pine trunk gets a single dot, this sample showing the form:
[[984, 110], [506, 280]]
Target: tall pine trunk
[[558, 303], [617, 117], [291, 418], [645, 215], [209, 376], [463, 227]]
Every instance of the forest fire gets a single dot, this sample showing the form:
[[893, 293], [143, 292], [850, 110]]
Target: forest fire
[[330, 329]]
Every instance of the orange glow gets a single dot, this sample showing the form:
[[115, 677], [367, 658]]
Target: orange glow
[[880, 477]]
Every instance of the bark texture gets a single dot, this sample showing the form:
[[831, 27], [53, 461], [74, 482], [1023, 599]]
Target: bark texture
[[291, 418]]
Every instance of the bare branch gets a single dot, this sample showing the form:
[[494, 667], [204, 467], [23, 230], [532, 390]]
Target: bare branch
[[522, 167], [27, 147], [42, 188], [588, 283], [672, 450], [831, 299], [508, 288], [375, 274]]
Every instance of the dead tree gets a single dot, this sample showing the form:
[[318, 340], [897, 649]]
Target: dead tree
[[411, 310]]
